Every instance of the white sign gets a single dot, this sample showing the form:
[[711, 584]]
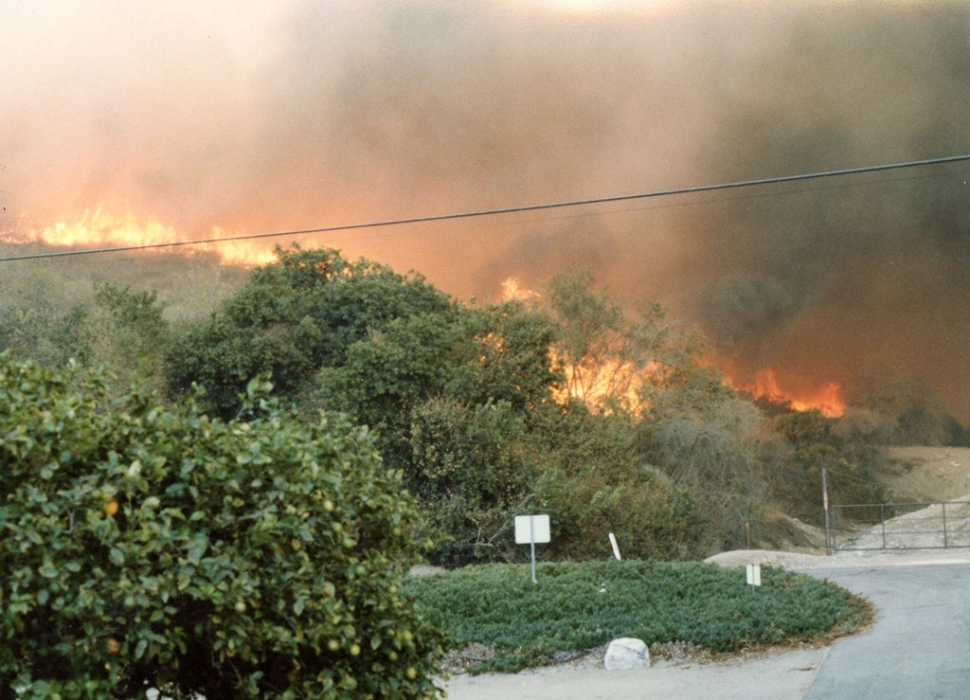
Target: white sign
[[532, 529], [754, 574]]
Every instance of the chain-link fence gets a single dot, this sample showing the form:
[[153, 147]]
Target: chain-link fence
[[933, 525]]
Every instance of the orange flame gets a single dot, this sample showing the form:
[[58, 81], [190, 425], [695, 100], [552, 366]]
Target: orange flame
[[826, 398], [598, 384], [99, 227], [593, 383], [513, 290]]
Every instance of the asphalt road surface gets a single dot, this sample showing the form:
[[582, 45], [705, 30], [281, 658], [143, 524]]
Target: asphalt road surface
[[919, 648]]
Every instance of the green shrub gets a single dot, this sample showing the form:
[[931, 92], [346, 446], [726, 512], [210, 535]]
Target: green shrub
[[145, 546], [593, 481], [581, 606]]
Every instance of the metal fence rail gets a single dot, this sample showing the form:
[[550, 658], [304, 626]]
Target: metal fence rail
[[934, 525]]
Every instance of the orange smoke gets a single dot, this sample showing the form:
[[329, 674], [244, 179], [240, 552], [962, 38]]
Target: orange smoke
[[101, 228], [826, 398]]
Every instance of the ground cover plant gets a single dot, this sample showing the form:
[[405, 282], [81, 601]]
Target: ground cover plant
[[578, 606], [144, 545]]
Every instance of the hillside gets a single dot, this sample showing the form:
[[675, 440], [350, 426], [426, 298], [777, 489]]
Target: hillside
[[929, 473], [914, 475]]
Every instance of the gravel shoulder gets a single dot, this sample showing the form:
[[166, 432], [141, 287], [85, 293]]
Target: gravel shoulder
[[771, 675]]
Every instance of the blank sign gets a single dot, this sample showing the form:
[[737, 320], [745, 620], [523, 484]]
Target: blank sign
[[532, 528]]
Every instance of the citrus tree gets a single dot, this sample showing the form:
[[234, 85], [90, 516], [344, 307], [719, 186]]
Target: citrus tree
[[146, 546]]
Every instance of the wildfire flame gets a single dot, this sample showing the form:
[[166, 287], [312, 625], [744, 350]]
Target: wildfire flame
[[100, 227], [513, 290], [595, 383], [826, 398]]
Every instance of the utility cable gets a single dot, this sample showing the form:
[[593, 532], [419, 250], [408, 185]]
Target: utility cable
[[508, 210]]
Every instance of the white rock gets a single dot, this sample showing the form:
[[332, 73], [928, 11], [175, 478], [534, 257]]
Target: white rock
[[626, 653]]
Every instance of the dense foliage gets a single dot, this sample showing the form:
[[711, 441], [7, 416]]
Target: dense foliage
[[471, 404], [117, 313], [305, 312], [151, 546], [817, 442], [607, 416], [584, 605]]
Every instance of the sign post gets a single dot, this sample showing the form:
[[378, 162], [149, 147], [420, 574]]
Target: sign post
[[754, 575], [530, 529]]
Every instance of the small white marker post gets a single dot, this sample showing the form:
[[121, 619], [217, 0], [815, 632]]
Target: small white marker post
[[530, 529], [754, 575], [616, 548]]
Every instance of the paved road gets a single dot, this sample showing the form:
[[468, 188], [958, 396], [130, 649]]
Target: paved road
[[919, 648]]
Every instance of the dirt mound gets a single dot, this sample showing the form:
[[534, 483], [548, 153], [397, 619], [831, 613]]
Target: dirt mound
[[789, 534]]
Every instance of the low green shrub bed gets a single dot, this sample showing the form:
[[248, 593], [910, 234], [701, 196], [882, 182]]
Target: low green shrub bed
[[584, 605]]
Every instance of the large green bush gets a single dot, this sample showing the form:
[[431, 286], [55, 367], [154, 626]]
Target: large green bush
[[146, 546], [293, 318]]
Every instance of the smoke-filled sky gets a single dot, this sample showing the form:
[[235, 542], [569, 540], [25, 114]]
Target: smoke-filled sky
[[266, 115]]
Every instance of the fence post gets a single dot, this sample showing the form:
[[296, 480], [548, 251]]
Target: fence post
[[944, 525], [882, 521], [825, 509]]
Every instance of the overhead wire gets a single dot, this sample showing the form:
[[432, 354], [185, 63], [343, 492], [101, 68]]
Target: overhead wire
[[503, 210]]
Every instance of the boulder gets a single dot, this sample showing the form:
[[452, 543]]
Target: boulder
[[626, 653]]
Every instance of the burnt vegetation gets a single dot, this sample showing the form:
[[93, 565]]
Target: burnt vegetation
[[471, 403]]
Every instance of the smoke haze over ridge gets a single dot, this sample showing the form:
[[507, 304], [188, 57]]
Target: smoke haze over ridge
[[301, 114]]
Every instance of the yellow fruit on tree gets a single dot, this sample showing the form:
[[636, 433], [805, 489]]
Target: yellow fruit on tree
[[110, 507]]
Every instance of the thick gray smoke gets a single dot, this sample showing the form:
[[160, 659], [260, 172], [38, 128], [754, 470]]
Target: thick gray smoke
[[366, 110]]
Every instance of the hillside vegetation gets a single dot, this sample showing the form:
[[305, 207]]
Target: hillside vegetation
[[605, 415]]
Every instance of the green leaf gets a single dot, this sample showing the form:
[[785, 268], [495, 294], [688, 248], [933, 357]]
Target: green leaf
[[47, 569]]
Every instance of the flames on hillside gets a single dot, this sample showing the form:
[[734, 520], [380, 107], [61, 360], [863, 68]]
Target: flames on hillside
[[594, 383], [101, 228], [825, 398]]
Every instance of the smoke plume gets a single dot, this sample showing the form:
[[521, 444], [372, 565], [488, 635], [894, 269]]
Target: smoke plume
[[302, 114]]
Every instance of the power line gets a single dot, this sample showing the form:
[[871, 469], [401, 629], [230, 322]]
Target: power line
[[507, 210]]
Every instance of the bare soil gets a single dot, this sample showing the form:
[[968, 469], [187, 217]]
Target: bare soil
[[929, 473]]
